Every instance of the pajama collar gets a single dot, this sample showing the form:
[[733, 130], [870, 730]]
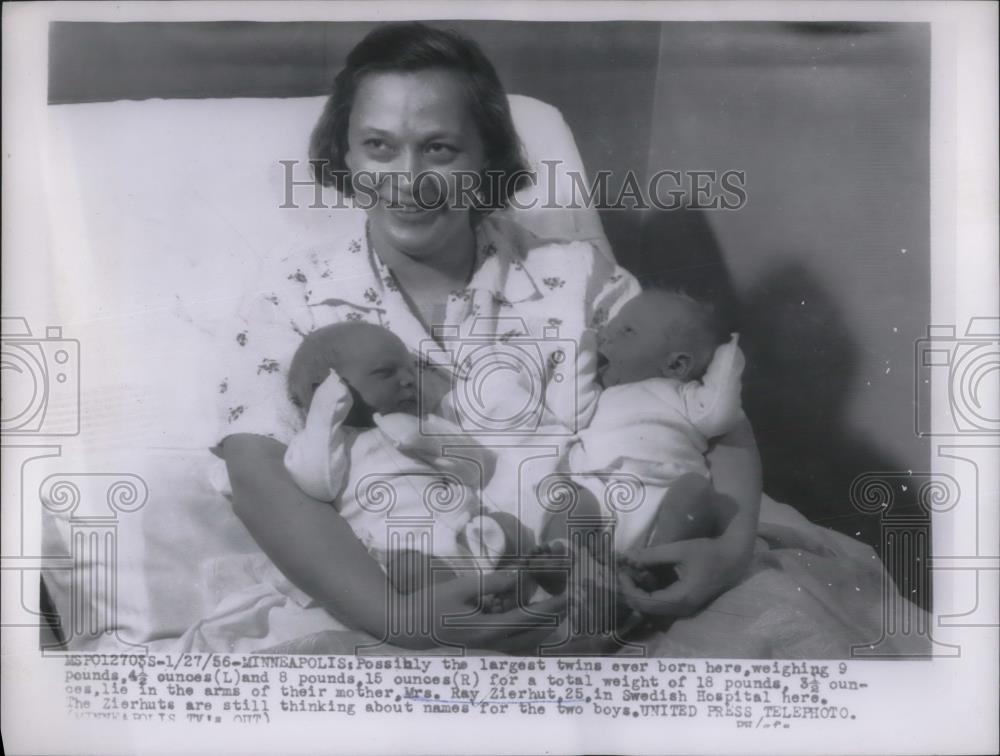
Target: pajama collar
[[354, 266]]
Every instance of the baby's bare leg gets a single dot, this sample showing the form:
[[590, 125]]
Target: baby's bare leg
[[551, 560], [585, 513], [687, 511], [518, 545]]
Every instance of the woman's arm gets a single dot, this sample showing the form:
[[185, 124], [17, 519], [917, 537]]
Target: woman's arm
[[306, 538], [736, 474]]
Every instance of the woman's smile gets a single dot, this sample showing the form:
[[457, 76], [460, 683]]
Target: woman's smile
[[412, 211]]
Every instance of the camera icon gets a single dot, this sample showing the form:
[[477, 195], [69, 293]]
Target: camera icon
[[41, 381], [501, 376], [961, 373]]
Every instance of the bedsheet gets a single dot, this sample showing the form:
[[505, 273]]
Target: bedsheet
[[810, 593]]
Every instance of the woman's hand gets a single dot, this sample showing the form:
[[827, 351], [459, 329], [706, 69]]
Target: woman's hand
[[451, 613], [705, 567]]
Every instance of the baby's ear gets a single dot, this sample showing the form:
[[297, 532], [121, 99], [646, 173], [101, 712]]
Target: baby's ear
[[676, 365]]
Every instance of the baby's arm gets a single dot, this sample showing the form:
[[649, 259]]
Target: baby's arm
[[713, 404], [317, 457]]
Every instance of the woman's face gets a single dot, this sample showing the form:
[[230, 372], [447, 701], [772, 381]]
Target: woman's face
[[404, 125]]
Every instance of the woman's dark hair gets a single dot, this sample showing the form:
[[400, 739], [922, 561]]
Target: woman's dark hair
[[408, 47]]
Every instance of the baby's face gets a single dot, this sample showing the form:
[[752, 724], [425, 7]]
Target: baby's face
[[636, 343], [381, 369]]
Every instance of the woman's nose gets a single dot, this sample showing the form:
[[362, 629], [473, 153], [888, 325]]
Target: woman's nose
[[408, 164]]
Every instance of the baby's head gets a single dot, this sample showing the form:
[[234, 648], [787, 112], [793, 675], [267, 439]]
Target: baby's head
[[372, 360], [658, 334]]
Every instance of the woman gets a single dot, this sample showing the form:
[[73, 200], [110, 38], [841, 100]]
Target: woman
[[413, 100]]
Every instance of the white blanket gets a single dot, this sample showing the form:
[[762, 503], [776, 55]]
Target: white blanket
[[810, 593]]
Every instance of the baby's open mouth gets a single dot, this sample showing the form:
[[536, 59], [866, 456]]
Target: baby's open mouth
[[602, 362]]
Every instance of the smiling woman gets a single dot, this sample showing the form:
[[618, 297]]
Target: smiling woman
[[398, 127], [411, 99], [413, 102]]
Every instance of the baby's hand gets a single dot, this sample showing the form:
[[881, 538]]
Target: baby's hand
[[588, 340], [499, 603], [305, 385], [645, 577], [586, 356], [595, 590]]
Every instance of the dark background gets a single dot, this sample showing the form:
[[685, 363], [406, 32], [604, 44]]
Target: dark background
[[825, 272]]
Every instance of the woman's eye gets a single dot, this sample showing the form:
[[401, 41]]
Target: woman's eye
[[377, 146], [440, 150]]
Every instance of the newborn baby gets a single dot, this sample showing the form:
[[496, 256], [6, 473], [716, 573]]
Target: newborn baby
[[362, 448], [671, 382]]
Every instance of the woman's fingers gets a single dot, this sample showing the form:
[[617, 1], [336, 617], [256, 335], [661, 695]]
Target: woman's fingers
[[523, 630], [496, 626], [553, 605], [634, 596], [521, 617], [466, 592], [500, 581], [515, 627], [471, 586], [673, 601]]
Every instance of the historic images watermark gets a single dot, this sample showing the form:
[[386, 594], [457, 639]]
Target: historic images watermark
[[960, 374], [430, 190], [504, 345], [41, 381]]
